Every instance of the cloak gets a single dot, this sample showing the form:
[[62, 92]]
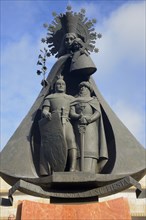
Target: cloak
[[126, 154], [101, 148], [20, 157]]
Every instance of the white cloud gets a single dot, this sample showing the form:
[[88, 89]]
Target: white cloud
[[131, 118], [18, 69], [123, 38], [91, 8], [121, 65], [20, 84]]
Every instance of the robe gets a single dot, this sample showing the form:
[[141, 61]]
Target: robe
[[20, 157]]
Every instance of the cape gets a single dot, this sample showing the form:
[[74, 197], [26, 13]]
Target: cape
[[103, 148], [20, 157]]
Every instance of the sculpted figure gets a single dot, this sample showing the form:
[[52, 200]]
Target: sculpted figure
[[72, 44], [89, 130], [59, 103], [95, 142], [80, 59]]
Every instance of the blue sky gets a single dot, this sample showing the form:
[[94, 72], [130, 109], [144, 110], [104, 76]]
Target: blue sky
[[120, 61]]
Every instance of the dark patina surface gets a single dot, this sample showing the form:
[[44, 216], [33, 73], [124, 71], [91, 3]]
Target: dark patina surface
[[71, 144]]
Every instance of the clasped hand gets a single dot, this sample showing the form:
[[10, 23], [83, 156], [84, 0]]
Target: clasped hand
[[46, 114], [85, 120]]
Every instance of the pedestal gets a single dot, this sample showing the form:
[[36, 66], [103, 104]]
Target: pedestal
[[114, 209]]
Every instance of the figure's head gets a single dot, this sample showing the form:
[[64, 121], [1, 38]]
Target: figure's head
[[69, 39], [60, 86], [85, 88]]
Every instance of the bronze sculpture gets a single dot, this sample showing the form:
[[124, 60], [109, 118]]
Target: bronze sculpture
[[57, 103], [71, 38], [89, 130]]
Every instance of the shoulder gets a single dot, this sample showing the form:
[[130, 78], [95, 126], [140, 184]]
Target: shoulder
[[50, 96], [95, 103], [47, 100], [69, 97], [94, 98]]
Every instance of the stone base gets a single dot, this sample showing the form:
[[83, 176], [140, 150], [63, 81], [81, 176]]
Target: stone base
[[114, 209]]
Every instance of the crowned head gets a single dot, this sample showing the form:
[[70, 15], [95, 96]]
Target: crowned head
[[60, 85]]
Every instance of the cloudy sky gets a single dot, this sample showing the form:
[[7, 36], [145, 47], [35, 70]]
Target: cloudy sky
[[120, 62]]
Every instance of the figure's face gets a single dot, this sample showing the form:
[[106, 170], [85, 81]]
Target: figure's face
[[84, 91], [69, 38], [60, 86]]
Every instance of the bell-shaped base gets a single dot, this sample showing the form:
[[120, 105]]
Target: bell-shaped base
[[83, 65], [126, 156]]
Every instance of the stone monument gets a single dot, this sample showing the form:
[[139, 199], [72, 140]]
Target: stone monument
[[74, 145]]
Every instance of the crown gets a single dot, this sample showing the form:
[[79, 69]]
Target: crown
[[70, 22], [60, 77]]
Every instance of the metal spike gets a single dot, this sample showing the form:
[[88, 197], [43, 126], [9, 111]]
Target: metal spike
[[83, 10], [69, 7], [99, 35], [54, 13], [96, 50], [45, 25]]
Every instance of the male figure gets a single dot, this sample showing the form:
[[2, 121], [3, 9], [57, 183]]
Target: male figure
[[60, 102], [89, 130]]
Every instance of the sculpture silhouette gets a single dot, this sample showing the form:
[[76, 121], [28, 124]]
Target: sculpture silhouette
[[71, 38]]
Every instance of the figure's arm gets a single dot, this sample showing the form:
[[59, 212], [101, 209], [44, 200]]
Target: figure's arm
[[96, 111], [46, 109], [93, 118], [73, 114]]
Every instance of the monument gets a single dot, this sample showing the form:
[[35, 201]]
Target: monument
[[74, 145]]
